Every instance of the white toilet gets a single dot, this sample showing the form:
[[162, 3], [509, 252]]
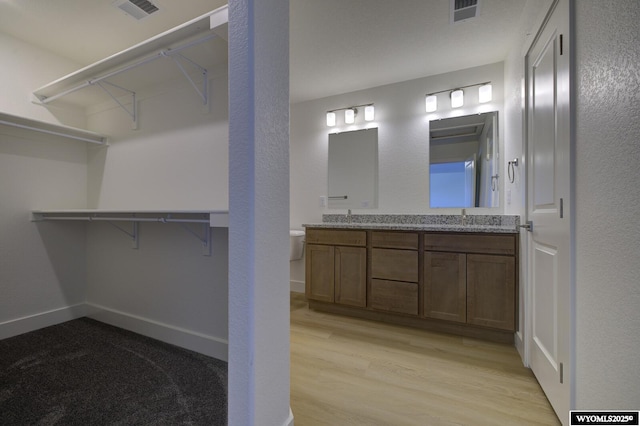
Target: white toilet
[[297, 244]]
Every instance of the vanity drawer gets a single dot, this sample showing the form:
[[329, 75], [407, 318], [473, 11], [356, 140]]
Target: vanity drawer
[[471, 243], [336, 237], [399, 240], [397, 265], [394, 296]]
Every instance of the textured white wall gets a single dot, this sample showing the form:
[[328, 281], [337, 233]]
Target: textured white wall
[[259, 213], [607, 195]]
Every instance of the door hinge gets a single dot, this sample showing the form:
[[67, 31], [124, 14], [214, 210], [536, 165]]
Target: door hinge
[[561, 44], [561, 373], [561, 208]]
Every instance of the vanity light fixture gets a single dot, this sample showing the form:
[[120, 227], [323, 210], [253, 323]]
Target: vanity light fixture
[[369, 113], [331, 119], [350, 114], [457, 96], [484, 93], [431, 103]]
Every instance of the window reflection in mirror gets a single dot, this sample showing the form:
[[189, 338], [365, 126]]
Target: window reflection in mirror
[[463, 161]]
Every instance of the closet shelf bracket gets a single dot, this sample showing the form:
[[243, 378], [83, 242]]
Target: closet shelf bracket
[[133, 113], [204, 93], [172, 53], [133, 234], [205, 239]]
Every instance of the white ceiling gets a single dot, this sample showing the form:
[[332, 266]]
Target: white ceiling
[[336, 46]]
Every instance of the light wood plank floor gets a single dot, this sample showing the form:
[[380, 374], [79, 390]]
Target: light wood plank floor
[[347, 371]]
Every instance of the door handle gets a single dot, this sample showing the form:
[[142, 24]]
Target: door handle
[[528, 226]]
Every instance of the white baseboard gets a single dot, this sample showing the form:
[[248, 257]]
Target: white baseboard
[[296, 286], [289, 421], [45, 319], [197, 342], [519, 344]]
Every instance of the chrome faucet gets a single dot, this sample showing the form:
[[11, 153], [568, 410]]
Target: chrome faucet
[[464, 217], [348, 216]]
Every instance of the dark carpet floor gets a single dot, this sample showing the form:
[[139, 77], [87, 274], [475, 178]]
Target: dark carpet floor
[[84, 372]]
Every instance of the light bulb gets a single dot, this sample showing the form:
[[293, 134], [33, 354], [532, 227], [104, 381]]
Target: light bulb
[[350, 115], [331, 119], [431, 103], [484, 93], [369, 113], [457, 98]]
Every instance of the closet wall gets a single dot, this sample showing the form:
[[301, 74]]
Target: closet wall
[[42, 268], [26, 68], [176, 160]]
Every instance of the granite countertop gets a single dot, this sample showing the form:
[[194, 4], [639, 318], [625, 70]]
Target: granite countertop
[[425, 223], [416, 227]]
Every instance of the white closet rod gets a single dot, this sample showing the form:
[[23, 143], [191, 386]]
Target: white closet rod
[[97, 140], [124, 219], [161, 54]]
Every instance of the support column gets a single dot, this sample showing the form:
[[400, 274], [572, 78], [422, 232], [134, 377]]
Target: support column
[[259, 212]]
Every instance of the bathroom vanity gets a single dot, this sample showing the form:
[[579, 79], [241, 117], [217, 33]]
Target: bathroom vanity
[[460, 279]]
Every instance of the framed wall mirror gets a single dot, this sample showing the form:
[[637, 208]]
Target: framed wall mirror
[[464, 161], [353, 170]]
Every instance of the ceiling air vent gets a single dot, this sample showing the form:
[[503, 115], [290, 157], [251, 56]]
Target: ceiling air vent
[[461, 10], [138, 9]]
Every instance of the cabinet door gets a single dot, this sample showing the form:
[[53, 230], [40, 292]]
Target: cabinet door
[[319, 270], [491, 291], [445, 286], [350, 275]]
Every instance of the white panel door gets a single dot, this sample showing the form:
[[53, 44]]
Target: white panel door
[[548, 204]]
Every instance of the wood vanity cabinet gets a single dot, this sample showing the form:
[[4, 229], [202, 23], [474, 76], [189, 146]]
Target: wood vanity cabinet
[[456, 282], [336, 266], [471, 278], [394, 272]]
